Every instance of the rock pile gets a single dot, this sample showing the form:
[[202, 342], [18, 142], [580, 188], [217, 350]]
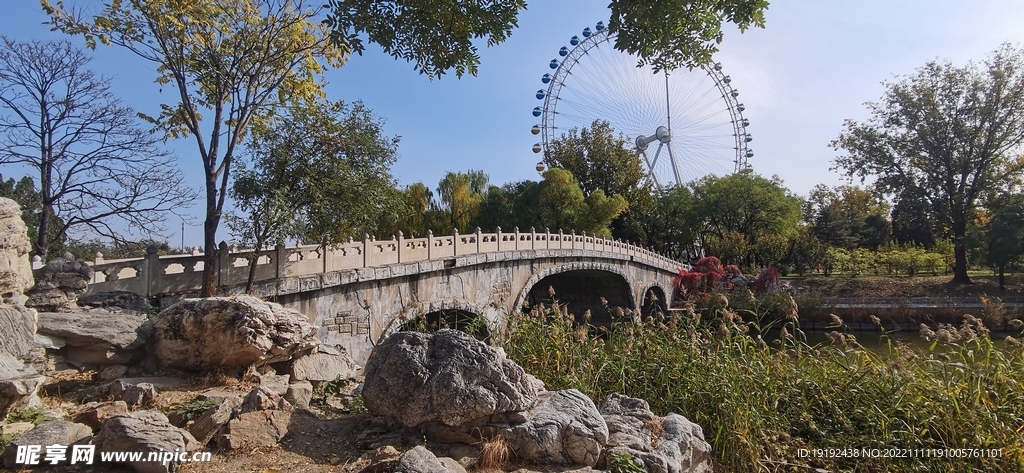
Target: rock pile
[[455, 388]]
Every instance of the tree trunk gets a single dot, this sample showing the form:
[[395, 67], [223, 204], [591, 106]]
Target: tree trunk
[[210, 240], [960, 254], [1002, 280]]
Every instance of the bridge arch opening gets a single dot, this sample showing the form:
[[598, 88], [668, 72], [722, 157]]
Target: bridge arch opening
[[605, 294], [655, 304], [463, 320]]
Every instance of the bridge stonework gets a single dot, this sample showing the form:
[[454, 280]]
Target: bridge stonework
[[359, 308], [359, 292]]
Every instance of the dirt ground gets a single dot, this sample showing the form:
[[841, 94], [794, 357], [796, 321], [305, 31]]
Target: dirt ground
[[321, 439]]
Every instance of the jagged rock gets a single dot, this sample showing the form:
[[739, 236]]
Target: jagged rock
[[15, 429], [134, 394], [112, 372], [277, 383], [52, 432], [17, 324], [421, 460], [563, 428], [143, 431], [448, 377], [95, 414], [98, 337], [121, 299], [138, 391], [299, 393], [261, 421], [15, 267], [229, 331], [210, 422], [670, 444], [48, 342], [324, 364], [58, 284], [18, 383]]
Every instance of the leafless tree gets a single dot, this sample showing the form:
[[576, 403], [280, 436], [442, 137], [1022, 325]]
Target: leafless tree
[[98, 169]]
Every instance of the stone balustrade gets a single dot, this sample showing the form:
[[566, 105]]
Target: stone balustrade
[[153, 275]]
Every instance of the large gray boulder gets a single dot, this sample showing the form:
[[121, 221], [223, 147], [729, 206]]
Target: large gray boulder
[[448, 377], [97, 337], [58, 284], [52, 432], [563, 428], [144, 431], [216, 332], [15, 267], [670, 444]]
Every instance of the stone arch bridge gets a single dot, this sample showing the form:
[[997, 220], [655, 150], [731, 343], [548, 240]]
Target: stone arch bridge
[[359, 292]]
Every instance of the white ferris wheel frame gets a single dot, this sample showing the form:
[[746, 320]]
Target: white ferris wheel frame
[[661, 134]]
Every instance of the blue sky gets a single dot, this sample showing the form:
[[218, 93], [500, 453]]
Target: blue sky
[[814, 65]]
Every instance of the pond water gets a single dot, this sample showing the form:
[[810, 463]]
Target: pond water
[[879, 343]]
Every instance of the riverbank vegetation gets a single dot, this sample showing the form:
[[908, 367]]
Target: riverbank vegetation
[[745, 373]]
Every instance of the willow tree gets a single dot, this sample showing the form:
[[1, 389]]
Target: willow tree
[[950, 134], [232, 63]]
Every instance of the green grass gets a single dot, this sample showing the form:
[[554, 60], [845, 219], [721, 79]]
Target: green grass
[[760, 401]]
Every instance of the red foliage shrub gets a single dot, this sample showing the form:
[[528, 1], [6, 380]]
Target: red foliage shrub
[[769, 279]]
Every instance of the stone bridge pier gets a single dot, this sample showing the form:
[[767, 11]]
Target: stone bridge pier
[[357, 309]]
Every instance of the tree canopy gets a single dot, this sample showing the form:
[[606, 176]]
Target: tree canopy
[[949, 134], [97, 167], [747, 203], [234, 61], [320, 173]]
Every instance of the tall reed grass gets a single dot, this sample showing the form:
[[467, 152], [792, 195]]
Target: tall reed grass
[[761, 400]]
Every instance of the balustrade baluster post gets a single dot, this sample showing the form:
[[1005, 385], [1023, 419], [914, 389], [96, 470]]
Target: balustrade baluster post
[[223, 263], [561, 238], [150, 268], [497, 231], [584, 239], [280, 258], [572, 243], [533, 238], [430, 242], [547, 238], [515, 233], [401, 239], [366, 250], [478, 240], [455, 242]]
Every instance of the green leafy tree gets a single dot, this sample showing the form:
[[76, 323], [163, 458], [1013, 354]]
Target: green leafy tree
[[1005, 234], [320, 173], [848, 216], [98, 170], [912, 221], [668, 222], [770, 249], [232, 64], [672, 34], [602, 160], [807, 252], [950, 134], [731, 248], [461, 195], [497, 208], [557, 203], [439, 36], [746, 203], [419, 201]]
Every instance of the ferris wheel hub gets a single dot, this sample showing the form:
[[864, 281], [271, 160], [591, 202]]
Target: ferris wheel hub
[[662, 134]]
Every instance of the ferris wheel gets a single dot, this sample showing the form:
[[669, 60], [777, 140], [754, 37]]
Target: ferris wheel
[[684, 124]]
